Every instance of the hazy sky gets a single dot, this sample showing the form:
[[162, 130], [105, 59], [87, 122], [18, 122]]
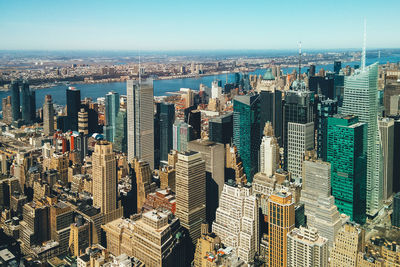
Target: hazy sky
[[197, 24]]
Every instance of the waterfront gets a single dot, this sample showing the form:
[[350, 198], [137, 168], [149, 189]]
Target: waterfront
[[162, 87]]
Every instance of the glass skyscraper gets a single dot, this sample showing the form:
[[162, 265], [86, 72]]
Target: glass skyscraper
[[246, 131], [73, 107], [28, 103], [112, 108], [361, 100], [167, 117], [120, 138], [325, 108], [347, 155], [15, 101]]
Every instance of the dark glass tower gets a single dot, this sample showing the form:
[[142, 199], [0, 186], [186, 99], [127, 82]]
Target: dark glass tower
[[111, 111], [121, 128], [246, 131], [73, 107], [193, 118], [167, 117], [311, 72], [325, 109], [28, 103], [337, 66], [347, 147], [15, 101], [299, 108], [271, 110], [396, 210], [221, 129], [322, 85]]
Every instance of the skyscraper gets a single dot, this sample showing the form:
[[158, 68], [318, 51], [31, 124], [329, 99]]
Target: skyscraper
[[15, 100], [246, 131], [396, 210], [112, 108], [326, 108], [121, 132], [298, 108], [337, 66], [391, 98], [346, 153], [271, 110], [280, 222], [140, 121], [167, 117], [105, 181], [182, 134], [361, 99], [191, 192], [48, 115], [300, 140], [83, 122], [221, 128], [28, 104], [386, 127], [306, 248], [73, 107], [269, 151]]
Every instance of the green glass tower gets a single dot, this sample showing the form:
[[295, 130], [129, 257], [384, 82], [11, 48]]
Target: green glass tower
[[361, 100], [347, 155], [246, 131], [120, 138], [112, 108]]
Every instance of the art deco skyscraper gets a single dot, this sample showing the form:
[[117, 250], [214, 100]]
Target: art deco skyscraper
[[191, 192], [140, 113], [105, 181], [48, 115], [281, 222], [361, 99]]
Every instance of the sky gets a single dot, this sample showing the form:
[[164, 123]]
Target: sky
[[197, 24]]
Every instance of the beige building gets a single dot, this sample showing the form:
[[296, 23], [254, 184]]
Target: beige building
[[206, 247], [48, 115], [191, 192], [143, 181], [306, 248], [281, 221], [83, 121], [348, 243], [105, 181], [167, 177]]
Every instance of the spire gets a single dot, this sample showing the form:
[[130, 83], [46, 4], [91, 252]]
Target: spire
[[299, 61], [364, 49], [140, 78]]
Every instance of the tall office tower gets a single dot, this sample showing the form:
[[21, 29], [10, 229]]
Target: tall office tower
[[83, 122], [271, 110], [269, 151], [386, 127], [216, 89], [33, 105], [319, 207], [48, 115], [15, 100], [79, 236], [236, 220], [280, 223], [7, 109], [221, 128], [26, 105], [311, 72], [391, 98], [144, 183], [347, 155], [337, 66], [111, 111], [246, 131], [396, 157], [73, 107], [396, 210], [34, 228], [182, 134], [300, 140], [105, 181], [323, 86], [160, 241], [167, 117], [361, 99], [193, 118], [121, 132], [298, 108], [61, 217], [140, 121], [305, 247], [191, 192], [325, 108], [212, 154], [349, 241]]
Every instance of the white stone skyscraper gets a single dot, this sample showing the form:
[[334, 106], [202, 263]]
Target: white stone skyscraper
[[140, 120], [269, 151], [361, 99]]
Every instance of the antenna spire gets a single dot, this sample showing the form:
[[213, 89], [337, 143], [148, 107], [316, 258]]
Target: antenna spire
[[140, 77], [364, 49], [299, 61]]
